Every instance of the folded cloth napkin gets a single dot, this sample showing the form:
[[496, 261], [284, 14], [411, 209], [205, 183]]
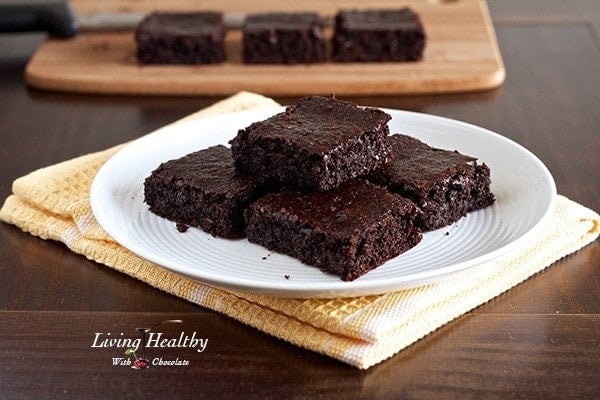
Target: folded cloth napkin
[[53, 203]]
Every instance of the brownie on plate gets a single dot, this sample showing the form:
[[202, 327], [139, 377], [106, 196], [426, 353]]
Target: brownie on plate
[[346, 231], [180, 38], [378, 35], [316, 144], [203, 190], [446, 185], [283, 38]]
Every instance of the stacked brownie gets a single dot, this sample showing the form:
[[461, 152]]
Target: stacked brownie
[[445, 185], [346, 231], [203, 190], [324, 183], [316, 144]]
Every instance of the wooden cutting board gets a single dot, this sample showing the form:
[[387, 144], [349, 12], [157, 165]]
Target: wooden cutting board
[[461, 55]]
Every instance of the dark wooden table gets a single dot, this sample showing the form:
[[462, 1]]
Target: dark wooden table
[[539, 340]]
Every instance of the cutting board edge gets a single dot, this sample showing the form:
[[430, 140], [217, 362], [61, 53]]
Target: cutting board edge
[[488, 81]]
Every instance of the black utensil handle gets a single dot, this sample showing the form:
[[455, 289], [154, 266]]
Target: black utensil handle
[[54, 17]]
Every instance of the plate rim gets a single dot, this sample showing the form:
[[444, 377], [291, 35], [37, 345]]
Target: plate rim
[[317, 289]]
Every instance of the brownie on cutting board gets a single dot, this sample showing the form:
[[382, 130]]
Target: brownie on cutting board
[[203, 190], [181, 38], [446, 185], [378, 35], [346, 231], [283, 38], [316, 144]]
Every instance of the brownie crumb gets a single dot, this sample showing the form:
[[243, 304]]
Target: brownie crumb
[[181, 227], [287, 276]]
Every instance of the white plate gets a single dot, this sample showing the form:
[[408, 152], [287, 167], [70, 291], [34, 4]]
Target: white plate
[[523, 186]]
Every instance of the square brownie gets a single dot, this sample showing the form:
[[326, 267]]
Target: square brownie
[[181, 38], [346, 231], [283, 38], [203, 190], [446, 185], [378, 35], [316, 144]]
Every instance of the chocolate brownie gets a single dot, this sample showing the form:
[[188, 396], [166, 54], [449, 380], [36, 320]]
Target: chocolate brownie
[[180, 38], [346, 231], [446, 185], [316, 144], [378, 35], [283, 38], [203, 190]]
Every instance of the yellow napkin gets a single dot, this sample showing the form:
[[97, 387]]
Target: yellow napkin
[[53, 203]]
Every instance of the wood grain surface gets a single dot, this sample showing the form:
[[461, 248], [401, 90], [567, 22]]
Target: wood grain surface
[[539, 340], [461, 55]]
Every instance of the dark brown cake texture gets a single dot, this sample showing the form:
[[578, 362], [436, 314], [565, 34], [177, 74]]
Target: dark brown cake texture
[[203, 190], [316, 144], [378, 35], [181, 38], [346, 231], [283, 38], [446, 185]]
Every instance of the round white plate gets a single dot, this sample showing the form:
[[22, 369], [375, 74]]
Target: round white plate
[[523, 186]]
